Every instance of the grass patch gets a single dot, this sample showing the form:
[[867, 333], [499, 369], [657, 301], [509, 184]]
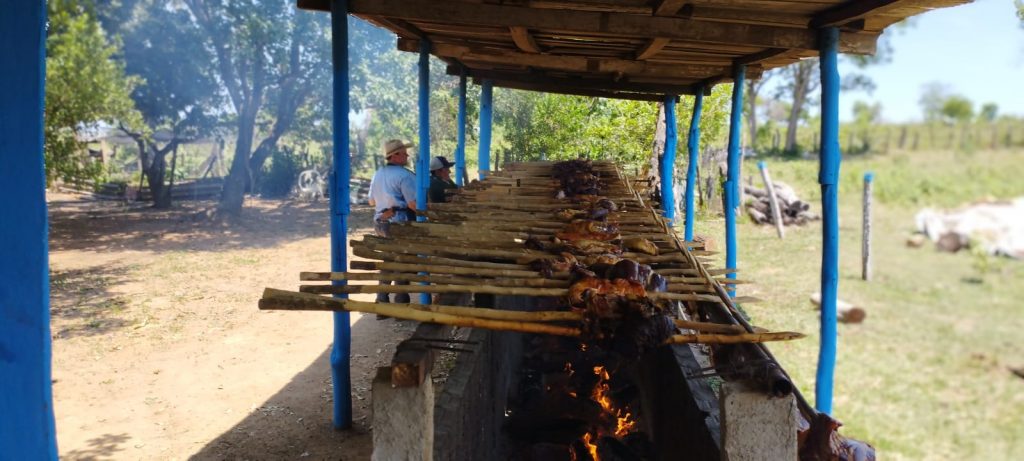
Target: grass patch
[[925, 376]]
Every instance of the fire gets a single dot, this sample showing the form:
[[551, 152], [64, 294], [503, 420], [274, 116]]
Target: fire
[[592, 448], [624, 424]]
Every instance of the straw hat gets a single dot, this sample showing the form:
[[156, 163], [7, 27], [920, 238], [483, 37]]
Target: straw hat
[[395, 145]]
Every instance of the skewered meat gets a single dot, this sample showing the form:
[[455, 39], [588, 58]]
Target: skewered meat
[[590, 247], [609, 259], [548, 266], [588, 287], [569, 214], [640, 245], [582, 229], [819, 440]]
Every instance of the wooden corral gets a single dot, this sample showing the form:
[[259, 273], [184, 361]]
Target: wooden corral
[[634, 49]]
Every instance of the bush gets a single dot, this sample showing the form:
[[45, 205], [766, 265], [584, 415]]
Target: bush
[[278, 178]]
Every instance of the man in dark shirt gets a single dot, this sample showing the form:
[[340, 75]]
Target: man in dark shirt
[[440, 179]]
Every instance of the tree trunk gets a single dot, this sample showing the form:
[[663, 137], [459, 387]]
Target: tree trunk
[[803, 73], [658, 151], [751, 102]]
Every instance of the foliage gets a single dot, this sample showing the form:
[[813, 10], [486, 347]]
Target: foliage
[[280, 175], [988, 113], [86, 86], [957, 108]]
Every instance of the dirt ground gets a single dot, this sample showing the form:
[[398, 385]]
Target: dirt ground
[[159, 351]]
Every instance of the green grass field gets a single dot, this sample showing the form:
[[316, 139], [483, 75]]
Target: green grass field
[[926, 375]]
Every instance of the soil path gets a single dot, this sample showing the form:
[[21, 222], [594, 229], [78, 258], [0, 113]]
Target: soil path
[[159, 350]]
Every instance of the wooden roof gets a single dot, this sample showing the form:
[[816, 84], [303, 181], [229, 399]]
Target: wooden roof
[[635, 49]]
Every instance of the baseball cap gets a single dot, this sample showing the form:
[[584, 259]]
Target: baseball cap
[[439, 162]]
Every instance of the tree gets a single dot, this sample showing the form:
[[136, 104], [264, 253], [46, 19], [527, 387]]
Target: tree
[[267, 56], [988, 113], [86, 85], [933, 97], [801, 80], [753, 90], [179, 98], [957, 109]]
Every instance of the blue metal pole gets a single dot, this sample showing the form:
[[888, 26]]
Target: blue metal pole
[[423, 159], [460, 150], [26, 401], [340, 207], [668, 161], [693, 146], [484, 153], [733, 179], [828, 176]]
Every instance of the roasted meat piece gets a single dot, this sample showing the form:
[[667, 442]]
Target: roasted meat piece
[[640, 245], [549, 266], [583, 229], [590, 247], [591, 260], [588, 287]]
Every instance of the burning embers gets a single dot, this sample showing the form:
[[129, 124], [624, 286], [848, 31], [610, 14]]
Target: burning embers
[[570, 406]]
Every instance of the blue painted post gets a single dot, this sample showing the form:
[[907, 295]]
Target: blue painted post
[[693, 146], [340, 207], [828, 176], [26, 403], [732, 183], [460, 149], [668, 161], [423, 158], [484, 152]]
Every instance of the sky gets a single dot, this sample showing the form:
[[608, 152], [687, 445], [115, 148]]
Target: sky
[[977, 50]]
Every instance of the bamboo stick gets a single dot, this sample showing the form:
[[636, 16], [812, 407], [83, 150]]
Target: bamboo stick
[[433, 278], [429, 261], [495, 319], [482, 289], [286, 300], [735, 339], [439, 269]]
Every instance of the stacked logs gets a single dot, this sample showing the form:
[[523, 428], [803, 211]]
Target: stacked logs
[[794, 211]]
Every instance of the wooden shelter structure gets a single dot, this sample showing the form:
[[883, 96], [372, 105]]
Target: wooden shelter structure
[[636, 49]]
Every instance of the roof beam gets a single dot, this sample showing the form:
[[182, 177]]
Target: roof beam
[[521, 36], [760, 56], [549, 88], [610, 84], [668, 7], [652, 48], [615, 24], [850, 11], [497, 56]]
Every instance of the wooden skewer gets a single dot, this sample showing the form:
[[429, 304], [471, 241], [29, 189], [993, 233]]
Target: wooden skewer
[[429, 261], [735, 339], [482, 289], [495, 319], [434, 278], [454, 270], [287, 300]]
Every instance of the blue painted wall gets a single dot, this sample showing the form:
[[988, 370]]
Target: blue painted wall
[[26, 403]]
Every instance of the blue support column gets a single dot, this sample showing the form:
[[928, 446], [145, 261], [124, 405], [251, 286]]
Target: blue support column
[[732, 183], [460, 149], [484, 153], [828, 176], [423, 157], [26, 402], [668, 161], [693, 148], [340, 207]]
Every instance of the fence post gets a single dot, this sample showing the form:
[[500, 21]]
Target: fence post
[[865, 247]]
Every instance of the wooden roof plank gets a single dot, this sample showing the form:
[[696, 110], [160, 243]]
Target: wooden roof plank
[[468, 54], [611, 23], [573, 90], [521, 36], [652, 48]]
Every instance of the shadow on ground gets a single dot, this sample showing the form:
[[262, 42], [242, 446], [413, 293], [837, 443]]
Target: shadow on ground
[[105, 446], [95, 225], [82, 303], [296, 422]]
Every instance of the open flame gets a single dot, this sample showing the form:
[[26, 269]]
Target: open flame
[[624, 424]]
